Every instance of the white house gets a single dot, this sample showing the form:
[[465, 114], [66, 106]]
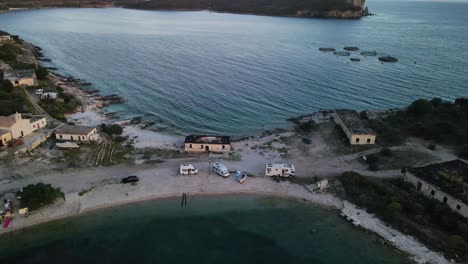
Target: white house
[[76, 133]]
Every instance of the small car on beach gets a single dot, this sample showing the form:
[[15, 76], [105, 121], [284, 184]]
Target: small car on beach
[[130, 179]]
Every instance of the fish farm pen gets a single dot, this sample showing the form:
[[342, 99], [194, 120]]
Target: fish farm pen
[[388, 59], [342, 53], [369, 53], [327, 49], [351, 48]]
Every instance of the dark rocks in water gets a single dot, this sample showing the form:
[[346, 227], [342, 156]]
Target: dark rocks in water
[[90, 91], [355, 59], [388, 59], [45, 59], [369, 53], [342, 53], [86, 84], [327, 49], [351, 48], [112, 99], [51, 68]]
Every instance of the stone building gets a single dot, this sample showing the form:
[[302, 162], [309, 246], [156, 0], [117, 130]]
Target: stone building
[[354, 127], [207, 143], [446, 182], [21, 77]]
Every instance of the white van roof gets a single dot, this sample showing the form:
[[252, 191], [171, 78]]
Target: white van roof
[[272, 165], [220, 166]]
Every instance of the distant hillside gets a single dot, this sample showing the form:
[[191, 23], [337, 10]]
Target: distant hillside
[[302, 8], [6, 4]]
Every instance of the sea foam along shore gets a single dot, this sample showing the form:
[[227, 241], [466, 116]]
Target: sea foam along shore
[[163, 183]]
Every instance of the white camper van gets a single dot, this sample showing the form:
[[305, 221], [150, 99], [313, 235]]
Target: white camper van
[[187, 169], [281, 170], [220, 169]]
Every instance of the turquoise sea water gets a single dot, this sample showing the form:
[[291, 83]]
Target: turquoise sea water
[[202, 72], [232, 229]]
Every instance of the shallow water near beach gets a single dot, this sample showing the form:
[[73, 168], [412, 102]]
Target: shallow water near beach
[[230, 229], [202, 72]]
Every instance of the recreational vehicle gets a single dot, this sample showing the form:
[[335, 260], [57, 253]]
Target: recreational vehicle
[[220, 169], [187, 169], [280, 170]]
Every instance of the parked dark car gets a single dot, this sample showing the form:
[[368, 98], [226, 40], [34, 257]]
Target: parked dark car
[[130, 179], [307, 141]]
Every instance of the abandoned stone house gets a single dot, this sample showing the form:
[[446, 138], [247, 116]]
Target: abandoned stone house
[[446, 182], [207, 143], [21, 77], [354, 127]]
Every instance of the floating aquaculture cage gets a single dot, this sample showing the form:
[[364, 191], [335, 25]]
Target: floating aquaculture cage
[[341, 53], [351, 48], [369, 53], [327, 49], [355, 59], [388, 59]]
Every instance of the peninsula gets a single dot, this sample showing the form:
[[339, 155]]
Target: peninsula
[[350, 9]]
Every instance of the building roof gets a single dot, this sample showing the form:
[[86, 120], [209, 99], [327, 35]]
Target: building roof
[[18, 74], [74, 130], [3, 132], [353, 122], [451, 177], [7, 121], [36, 118], [208, 139]]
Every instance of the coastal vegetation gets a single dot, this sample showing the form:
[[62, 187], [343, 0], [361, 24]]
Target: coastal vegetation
[[35, 196], [64, 104], [13, 100], [442, 122], [9, 51], [399, 204]]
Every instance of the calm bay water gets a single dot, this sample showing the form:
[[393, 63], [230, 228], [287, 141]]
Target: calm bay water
[[201, 72], [232, 229]]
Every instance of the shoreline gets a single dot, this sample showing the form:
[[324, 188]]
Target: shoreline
[[76, 205], [406, 244]]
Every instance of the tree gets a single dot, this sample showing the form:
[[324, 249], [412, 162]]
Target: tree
[[7, 86], [39, 195], [421, 107], [112, 129], [41, 73]]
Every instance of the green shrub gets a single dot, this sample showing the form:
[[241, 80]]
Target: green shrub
[[41, 73], [306, 126], [39, 195], [373, 167], [431, 146], [111, 129], [386, 152]]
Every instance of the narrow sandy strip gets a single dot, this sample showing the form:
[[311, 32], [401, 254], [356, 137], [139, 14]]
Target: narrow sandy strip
[[154, 186]]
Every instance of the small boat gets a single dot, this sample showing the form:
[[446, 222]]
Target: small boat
[[241, 176]]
